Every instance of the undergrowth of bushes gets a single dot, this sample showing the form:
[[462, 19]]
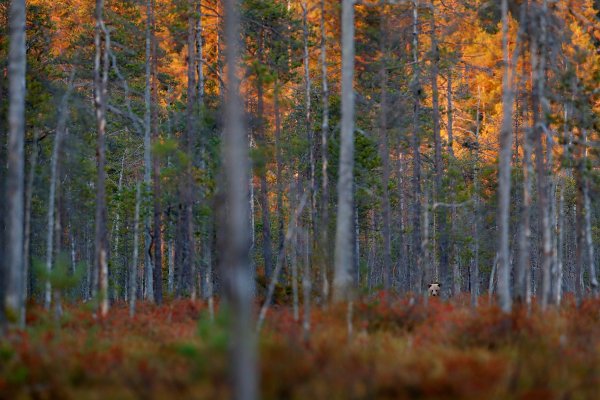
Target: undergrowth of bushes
[[399, 349]]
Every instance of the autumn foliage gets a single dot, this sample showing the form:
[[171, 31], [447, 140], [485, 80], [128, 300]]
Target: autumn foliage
[[399, 349]]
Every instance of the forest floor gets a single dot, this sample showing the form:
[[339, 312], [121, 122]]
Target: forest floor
[[397, 351]]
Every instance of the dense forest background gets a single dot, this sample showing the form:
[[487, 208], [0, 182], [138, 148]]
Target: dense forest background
[[429, 111], [317, 157]]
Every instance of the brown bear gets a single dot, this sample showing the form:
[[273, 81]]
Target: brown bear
[[435, 289]]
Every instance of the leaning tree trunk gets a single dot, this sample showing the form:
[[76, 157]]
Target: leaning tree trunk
[[344, 257], [236, 260], [13, 292], [100, 99]]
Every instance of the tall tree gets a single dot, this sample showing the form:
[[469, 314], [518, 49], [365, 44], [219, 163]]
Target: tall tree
[[385, 153], [504, 172], [236, 252], [14, 263], [101, 66], [344, 246]]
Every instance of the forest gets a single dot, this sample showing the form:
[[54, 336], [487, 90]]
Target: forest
[[299, 199]]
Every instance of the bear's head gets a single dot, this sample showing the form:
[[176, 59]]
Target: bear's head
[[435, 289]]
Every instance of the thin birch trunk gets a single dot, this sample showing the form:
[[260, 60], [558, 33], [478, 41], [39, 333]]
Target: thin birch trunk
[[101, 66]]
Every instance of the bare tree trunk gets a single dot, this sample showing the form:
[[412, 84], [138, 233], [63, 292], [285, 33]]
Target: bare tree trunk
[[28, 201], [447, 282], [506, 138], [326, 259], [264, 190], [476, 226], [157, 206], [101, 66], [415, 144], [188, 267], [236, 258], [587, 211], [306, 282], [557, 277], [453, 217], [134, 262], [115, 235], [279, 168], [344, 258], [54, 167], [306, 285], [385, 156], [148, 287], [17, 63]]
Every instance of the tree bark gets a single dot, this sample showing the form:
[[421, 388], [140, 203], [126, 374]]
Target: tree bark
[[237, 239], [134, 262], [54, 168], [326, 259], [447, 283], [148, 287], [101, 66], [28, 202], [14, 263], [417, 250], [587, 211], [506, 138], [344, 257]]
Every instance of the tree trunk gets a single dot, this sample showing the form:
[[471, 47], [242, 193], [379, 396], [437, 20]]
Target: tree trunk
[[417, 251], [101, 66], [506, 138], [157, 206], [148, 287], [54, 168], [587, 212], [385, 156], [474, 275], [236, 261], [134, 262], [344, 257], [264, 191], [14, 300], [447, 282], [27, 239], [326, 258], [474, 283], [188, 267]]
